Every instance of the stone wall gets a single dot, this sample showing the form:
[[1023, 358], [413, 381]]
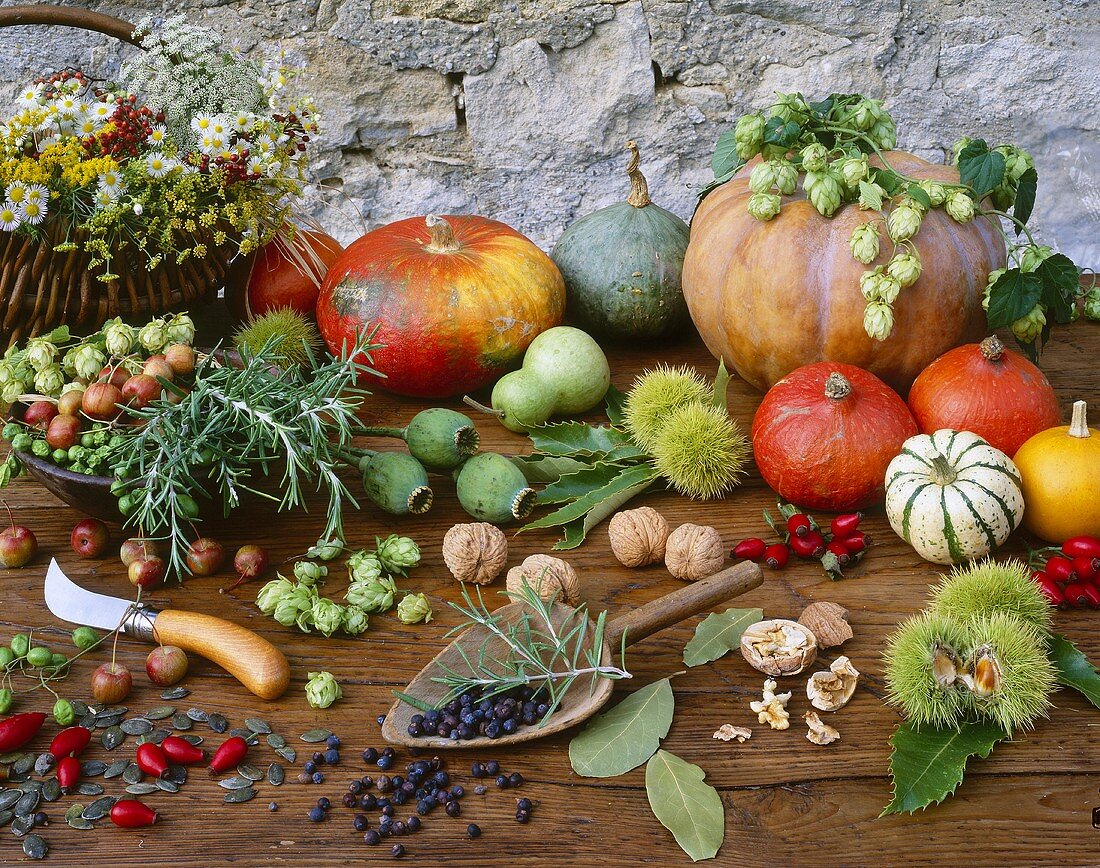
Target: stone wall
[[519, 110]]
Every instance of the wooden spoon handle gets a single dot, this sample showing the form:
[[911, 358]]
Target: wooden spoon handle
[[690, 600], [252, 660]]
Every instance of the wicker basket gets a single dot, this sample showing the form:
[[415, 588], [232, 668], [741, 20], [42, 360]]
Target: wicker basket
[[41, 288]]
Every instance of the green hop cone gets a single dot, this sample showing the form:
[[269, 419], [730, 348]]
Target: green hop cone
[[748, 135], [63, 713], [10, 394], [326, 549], [267, 600], [865, 242], [878, 320], [1017, 161], [1030, 326], [309, 573], [854, 170], [1092, 304], [903, 222], [49, 380], [413, 609], [296, 608], [904, 268], [815, 158], [119, 337], [936, 192], [371, 596], [153, 336], [1003, 196], [867, 114], [884, 133], [791, 107], [7, 373], [888, 288], [959, 206], [762, 177], [957, 148], [1034, 254], [327, 615], [88, 362], [180, 330], [823, 191], [6, 699], [786, 176], [398, 553], [764, 206], [40, 354], [322, 690], [364, 567], [355, 620]]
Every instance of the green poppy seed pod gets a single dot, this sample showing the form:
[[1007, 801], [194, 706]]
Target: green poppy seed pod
[[959, 206], [762, 177], [397, 483], [1030, 326], [814, 157], [764, 206], [865, 242], [441, 439], [786, 176], [491, 488]]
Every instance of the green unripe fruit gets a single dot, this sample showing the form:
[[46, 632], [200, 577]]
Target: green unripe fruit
[[6, 657], [126, 504], [22, 442], [20, 644], [396, 482], [441, 439], [6, 698], [187, 506], [60, 456], [1092, 304], [40, 448], [63, 713], [39, 656], [84, 638], [491, 488], [58, 660], [10, 431], [823, 191], [88, 440]]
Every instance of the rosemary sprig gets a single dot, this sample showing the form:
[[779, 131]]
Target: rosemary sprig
[[236, 425], [540, 654]]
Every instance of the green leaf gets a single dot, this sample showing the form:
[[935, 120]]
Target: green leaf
[[778, 132], [721, 385], [718, 634], [870, 196], [613, 404], [1061, 282], [889, 180], [689, 808], [623, 738], [577, 439], [980, 167], [1074, 669], [915, 192], [418, 704], [1012, 296], [725, 160], [577, 530], [573, 485], [547, 468], [928, 764], [630, 478], [1025, 197]]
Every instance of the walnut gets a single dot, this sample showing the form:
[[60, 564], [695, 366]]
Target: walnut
[[729, 732], [551, 577], [638, 536], [828, 622], [475, 552], [831, 690], [694, 552], [778, 647], [772, 710], [819, 732]]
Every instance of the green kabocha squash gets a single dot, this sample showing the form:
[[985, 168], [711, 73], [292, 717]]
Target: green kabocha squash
[[622, 265]]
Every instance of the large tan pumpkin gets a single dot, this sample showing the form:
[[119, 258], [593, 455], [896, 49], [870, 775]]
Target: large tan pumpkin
[[769, 297]]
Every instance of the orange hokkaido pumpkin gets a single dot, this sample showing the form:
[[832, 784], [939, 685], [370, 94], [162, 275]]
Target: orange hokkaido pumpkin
[[769, 297]]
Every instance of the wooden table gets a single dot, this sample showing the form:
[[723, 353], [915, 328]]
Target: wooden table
[[788, 802]]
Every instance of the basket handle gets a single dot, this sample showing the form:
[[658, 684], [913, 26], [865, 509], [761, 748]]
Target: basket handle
[[66, 16]]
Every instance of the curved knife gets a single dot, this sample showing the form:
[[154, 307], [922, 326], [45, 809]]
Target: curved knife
[[252, 660]]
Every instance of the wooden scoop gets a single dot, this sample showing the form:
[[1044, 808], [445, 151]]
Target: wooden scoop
[[579, 703]]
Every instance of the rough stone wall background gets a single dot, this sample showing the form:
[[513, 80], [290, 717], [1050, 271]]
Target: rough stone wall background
[[520, 110]]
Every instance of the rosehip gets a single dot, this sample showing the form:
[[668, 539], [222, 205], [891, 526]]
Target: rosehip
[[799, 525], [751, 549], [1086, 546], [839, 551], [1085, 567], [776, 556], [68, 773], [1060, 569], [151, 759], [812, 545], [132, 814], [856, 543], [845, 525], [182, 752], [1050, 590], [1077, 593]]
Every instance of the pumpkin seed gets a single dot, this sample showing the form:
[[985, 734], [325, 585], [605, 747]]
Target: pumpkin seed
[[312, 736], [79, 708], [88, 720], [193, 739], [154, 737], [175, 693], [14, 778], [8, 758], [257, 724], [75, 818], [133, 774], [176, 774], [87, 788], [181, 722], [113, 709], [27, 803], [217, 722], [244, 733], [288, 753], [167, 785], [116, 768], [160, 712], [235, 797], [43, 763], [35, 847], [197, 715], [24, 764], [141, 788], [30, 786], [112, 738], [9, 798], [6, 817], [92, 768], [21, 825], [136, 726], [245, 770], [235, 783], [275, 774], [51, 790], [99, 809], [275, 740], [103, 722]]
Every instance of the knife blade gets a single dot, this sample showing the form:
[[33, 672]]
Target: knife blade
[[251, 659]]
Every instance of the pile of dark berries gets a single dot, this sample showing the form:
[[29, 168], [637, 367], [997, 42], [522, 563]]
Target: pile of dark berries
[[469, 715], [330, 756]]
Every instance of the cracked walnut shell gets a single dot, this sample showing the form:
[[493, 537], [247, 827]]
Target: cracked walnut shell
[[638, 536], [828, 622], [831, 690], [551, 577], [475, 552], [693, 552], [778, 647], [818, 731]]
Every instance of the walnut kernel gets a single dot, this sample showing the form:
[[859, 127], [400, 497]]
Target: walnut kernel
[[729, 732], [772, 709], [694, 552], [818, 731], [831, 690], [475, 552], [638, 536], [551, 577]]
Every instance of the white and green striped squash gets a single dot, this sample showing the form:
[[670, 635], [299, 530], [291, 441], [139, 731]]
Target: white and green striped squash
[[952, 496]]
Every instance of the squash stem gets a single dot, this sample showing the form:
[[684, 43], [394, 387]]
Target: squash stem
[[992, 348], [1079, 425], [837, 386], [942, 472], [443, 235], [481, 408], [639, 189]]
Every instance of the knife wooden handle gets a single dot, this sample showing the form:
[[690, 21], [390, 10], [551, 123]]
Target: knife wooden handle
[[252, 660]]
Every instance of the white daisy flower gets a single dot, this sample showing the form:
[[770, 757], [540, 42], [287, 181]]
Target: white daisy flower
[[101, 111], [87, 126], [48, 142], [66, 105], [157, 135], [111, 180], [157, 165], [17, 193], [33, 212], [263, 146], [105, 198], [31, 97], [218, 125], [37, 193], [202, 123], [9, 218], [242, 121], [256, 165], [212, 144]]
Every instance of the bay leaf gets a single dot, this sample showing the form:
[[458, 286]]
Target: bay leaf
[[573, 485], [614, 401], [1074, 669], [542, 469], [927, 764], [688, 807], [577, 439], [623, 738], [718, 634]]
